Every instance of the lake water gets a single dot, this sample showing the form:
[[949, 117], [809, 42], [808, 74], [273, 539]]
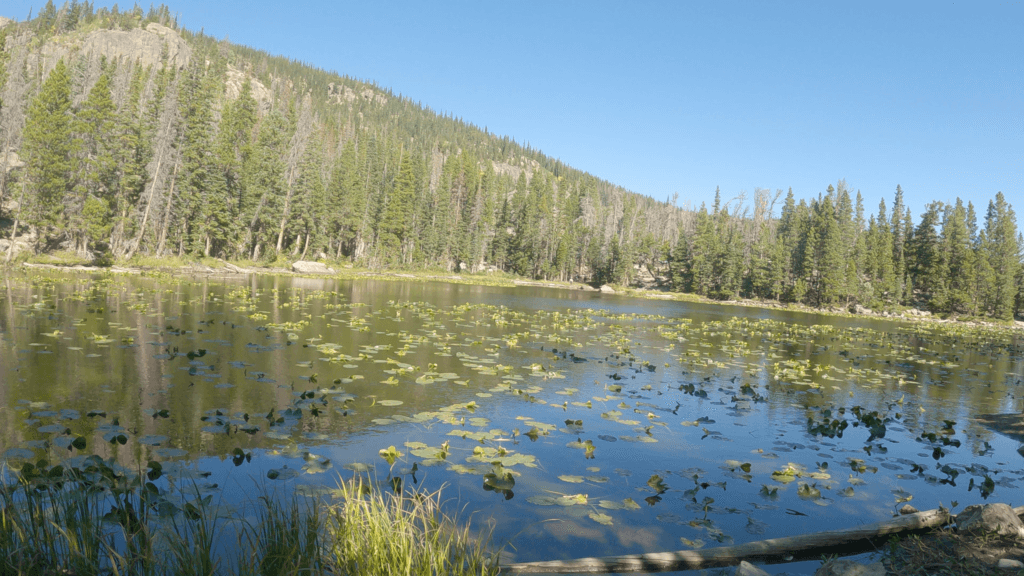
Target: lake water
[[621, 425]]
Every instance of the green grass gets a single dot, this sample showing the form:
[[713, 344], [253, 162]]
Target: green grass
[[95, 520]]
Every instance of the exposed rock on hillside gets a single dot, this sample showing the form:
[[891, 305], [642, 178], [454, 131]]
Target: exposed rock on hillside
[[341, 93], [145, 45], [233, 88]]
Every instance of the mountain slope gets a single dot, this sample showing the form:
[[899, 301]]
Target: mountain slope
[[187, 145]]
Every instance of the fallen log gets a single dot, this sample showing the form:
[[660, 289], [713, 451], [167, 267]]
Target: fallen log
[[770, 551]]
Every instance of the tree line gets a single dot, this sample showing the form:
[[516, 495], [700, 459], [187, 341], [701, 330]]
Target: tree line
[[826, 254], [239, 154]]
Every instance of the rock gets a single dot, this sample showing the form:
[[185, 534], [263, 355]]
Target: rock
[[858, 309], [998, 518], [747, 569], [607, 289], [19, 246], [146, 46], [304, 267], [10, 160], [850, 568], [1009, 564], [233, 83], [907, 509], [236, 269]]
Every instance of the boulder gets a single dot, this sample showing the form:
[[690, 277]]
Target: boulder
[[1009, 564], [997, 517], [747, 569], [850, 568], [304, 267], [607, 289]]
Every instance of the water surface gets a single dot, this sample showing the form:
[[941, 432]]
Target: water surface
[[618, 425]]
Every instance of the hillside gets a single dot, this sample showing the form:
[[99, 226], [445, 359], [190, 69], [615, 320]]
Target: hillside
[[122, 135], [176, 143]]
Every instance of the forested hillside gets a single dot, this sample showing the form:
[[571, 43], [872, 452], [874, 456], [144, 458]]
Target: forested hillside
[[123, 134]]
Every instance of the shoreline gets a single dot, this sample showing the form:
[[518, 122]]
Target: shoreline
[[504, 280]]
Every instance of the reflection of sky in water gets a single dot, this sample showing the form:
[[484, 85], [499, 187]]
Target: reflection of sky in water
[[122, 350]]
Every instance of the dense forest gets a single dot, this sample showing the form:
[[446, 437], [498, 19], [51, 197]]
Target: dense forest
[[122, 135]]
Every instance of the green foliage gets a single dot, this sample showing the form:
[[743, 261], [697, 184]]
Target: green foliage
[[243, 155], [48, 146]]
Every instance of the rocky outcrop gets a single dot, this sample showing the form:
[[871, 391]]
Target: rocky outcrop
[[233, 88], [995, 518], [304, 267], [607, 289], [147, 45]]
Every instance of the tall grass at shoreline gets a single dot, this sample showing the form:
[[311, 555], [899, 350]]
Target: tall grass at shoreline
[[57, 521]]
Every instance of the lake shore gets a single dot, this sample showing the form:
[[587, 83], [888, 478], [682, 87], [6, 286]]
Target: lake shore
[[219, 267]]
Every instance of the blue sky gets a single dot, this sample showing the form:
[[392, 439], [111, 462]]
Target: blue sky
[[673, 96]]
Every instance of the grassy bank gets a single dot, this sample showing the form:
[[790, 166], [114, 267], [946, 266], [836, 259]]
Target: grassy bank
[[96, 519]]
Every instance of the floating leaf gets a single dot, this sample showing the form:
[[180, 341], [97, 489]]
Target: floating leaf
[[695, 544], [390, 455]]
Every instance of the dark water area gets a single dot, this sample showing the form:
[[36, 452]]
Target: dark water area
[[574, 423]]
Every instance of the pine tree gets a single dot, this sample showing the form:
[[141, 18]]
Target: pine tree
[[95, 128], [929, 270], [831, 260], [884, 280], [395, 224], [263, 185], [48, 149], [958, 264], [702, 251], [898, 231], [1003, 255]]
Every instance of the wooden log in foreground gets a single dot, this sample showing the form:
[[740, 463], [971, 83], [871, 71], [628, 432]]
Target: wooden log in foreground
[[762, 551]]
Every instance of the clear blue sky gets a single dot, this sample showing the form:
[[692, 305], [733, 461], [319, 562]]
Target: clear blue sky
[[675, 96]]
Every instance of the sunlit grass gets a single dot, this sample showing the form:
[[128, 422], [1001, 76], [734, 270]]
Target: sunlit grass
[[58, 521]]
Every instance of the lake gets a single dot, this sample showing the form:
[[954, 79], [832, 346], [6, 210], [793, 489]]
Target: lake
[[575, 423]]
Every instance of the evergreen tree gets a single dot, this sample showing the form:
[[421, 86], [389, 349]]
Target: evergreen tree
[[898, 231], [958, 263], [884, 278], [48, 149], [394, 236], [1003, 255], [831, 258], [701, 252], [95, 127], [930, 270]]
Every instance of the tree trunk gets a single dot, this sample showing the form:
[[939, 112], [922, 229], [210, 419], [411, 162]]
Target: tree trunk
[[771, 551], [145, 215], [17, 220], [167, 214]]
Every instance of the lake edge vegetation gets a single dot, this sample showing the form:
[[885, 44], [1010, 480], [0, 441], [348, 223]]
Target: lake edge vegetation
[[96, 518]]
